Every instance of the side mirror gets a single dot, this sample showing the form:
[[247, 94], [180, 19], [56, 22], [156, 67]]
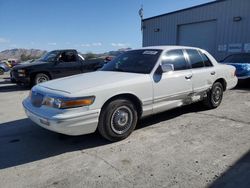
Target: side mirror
[[165, 67]]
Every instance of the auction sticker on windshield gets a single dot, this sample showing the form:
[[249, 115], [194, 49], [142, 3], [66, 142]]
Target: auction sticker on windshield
[[150, 52]]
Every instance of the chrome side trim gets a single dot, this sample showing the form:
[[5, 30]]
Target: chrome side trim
[[172, 97]]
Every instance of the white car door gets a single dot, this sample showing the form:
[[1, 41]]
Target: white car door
[[202, 70], [171, 89]]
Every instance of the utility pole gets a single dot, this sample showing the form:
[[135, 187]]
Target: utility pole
[[141, 16]]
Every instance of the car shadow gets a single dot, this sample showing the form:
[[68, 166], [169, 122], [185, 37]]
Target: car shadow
[[243, 85], [7, 86], [6, 80], [22, 141], [14, 87], [238, 175]]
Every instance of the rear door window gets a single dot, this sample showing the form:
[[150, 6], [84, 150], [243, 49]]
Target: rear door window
[[206, 60], [195, 58], [175, 57]]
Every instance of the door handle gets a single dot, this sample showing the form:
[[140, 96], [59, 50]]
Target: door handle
[[212, 73], [188, 76]]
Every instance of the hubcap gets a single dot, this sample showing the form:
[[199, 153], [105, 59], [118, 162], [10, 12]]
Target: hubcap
[[121, 120], [42, 79], [216, 95]]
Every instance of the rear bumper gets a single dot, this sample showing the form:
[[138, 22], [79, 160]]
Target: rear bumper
[[232, 83], [69, 123]]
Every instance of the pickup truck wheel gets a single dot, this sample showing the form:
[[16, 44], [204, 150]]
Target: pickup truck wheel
[[40, 78], [214, 96], [117, 120], [1, 71]]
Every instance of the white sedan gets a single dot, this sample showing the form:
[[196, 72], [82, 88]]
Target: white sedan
[[136, 84]]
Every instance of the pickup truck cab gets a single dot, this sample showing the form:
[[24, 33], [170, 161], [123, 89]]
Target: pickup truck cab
[[54, 64], [136, 84]]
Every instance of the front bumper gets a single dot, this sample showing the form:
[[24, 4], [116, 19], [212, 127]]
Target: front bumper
[[73, 122], [19, 80]]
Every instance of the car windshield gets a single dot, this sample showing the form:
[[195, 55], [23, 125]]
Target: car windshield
[[50, 56], [135, 61], [239, 58]]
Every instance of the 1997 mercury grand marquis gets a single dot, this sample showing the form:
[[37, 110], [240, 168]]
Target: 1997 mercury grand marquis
[[136, 84]]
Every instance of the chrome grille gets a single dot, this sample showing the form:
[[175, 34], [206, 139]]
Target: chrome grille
[[36, 99]]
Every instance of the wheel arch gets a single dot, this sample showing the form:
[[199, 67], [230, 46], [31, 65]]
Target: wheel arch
[[33, 74], [129, 96], [223, 82]]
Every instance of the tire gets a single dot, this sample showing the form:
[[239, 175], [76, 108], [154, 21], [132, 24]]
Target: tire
[[117, 120], [12, 80], [1, 71], [214, 96], [40, 78]]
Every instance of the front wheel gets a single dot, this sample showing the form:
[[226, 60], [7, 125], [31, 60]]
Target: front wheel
[[40, 78], [214, 96], [117, 120]]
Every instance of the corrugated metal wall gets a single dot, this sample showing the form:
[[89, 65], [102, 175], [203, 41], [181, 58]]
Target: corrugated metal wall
[[230, 34]]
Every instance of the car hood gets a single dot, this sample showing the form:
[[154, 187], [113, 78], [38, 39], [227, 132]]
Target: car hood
[[241, 68], [90, 81], [26, 65]]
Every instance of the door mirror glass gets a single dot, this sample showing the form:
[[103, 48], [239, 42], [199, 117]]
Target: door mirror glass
[[166, 67]]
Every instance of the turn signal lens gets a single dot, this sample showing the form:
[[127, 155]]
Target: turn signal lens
[[77, 102]]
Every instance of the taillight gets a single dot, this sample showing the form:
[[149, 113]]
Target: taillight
[[234, 73]]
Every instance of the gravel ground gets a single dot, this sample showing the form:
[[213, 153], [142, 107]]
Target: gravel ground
[[185, 147]]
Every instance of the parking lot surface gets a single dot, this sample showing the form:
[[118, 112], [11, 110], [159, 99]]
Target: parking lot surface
[[184, 147]]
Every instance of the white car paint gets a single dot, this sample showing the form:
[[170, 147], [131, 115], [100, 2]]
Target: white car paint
[[156, 94]]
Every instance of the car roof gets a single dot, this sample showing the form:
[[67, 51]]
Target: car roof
[[63, 50], [168, 47], [239, 54]]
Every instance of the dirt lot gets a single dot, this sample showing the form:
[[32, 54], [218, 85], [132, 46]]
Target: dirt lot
[[185, 147]]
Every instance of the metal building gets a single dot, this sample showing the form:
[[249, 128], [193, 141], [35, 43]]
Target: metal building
[[221, 27]]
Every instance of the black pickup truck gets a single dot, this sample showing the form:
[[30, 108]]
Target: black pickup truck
[[54, 64]]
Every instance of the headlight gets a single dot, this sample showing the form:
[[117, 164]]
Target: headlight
[[21, 71], [68, 102]]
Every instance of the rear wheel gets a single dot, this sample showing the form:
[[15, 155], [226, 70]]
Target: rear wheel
[[214, 96], [117, 120], [40, 78]]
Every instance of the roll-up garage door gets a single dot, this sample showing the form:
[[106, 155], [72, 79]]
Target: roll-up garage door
[[201, 34]]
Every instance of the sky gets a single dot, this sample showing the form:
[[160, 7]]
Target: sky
[[86, 25]]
